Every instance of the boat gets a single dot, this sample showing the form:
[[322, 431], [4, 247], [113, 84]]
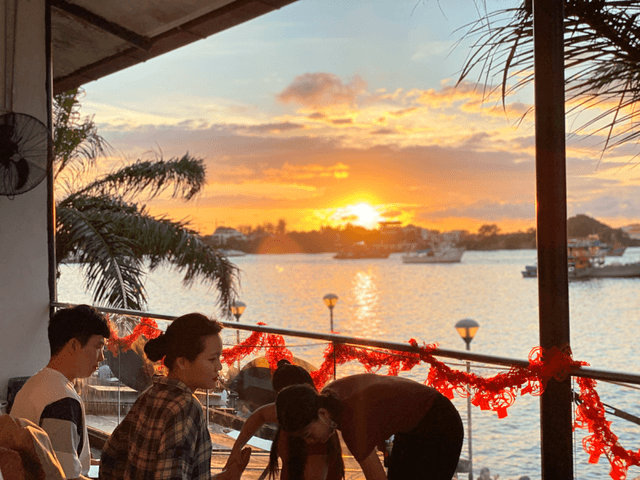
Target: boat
[[232, 253], [442, 253], [586, 259], [361, 250], [530, 271], [616, 250]]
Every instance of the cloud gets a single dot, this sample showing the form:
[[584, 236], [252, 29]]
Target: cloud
[[485, 211], [608, 206], [391, 214], [342, 121], [270, 127], [384, 131], [403, 112], [322, 89]]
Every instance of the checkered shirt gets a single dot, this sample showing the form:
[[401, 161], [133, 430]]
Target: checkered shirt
[[163, 437]]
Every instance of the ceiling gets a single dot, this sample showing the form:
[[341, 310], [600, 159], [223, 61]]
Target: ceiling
[[94, 38]]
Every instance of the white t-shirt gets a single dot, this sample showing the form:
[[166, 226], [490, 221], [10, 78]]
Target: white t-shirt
[[49, 400]]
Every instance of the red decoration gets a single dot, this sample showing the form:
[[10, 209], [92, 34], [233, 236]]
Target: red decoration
[[147, 327], [495, 393]]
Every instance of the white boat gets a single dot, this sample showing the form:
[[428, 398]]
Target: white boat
[[439, 254], [586, 259], [232, 253]]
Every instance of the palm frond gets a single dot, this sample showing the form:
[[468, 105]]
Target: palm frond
[[140, 237], [112, 271], [76, 142], [186, 175], [602, 58]]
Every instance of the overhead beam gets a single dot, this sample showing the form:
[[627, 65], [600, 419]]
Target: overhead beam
[[234, 13], [551, 217], [132, 38]]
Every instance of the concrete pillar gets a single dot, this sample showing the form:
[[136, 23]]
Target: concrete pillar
[[25, 218]]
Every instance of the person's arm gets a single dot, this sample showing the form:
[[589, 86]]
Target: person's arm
[[372, 467], [234, 471], [63, 422], [265, 414]]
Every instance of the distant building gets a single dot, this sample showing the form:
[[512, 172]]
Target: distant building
[[632, 230], [222, 235], [390, 228]]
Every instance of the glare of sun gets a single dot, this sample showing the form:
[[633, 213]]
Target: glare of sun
[[365, 213], [361, 214]]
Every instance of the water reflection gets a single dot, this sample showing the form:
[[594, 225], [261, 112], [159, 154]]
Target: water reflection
[[385, 299], [365, 295]]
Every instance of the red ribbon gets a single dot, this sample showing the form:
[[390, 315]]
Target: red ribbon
[[147, 327], [495, 393]]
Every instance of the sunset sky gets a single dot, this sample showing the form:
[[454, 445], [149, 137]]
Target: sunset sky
[[327, 112]]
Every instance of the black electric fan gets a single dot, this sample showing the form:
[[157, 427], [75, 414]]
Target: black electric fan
[[26, 153]]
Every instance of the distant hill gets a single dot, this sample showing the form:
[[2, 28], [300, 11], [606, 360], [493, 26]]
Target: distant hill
[[582, 226]]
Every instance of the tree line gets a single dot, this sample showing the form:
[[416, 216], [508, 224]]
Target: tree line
[[274, 238]]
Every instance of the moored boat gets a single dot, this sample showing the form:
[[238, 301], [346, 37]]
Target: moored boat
[[586, 259], [361, 250], [438, 254]]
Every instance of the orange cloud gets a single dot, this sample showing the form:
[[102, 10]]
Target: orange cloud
[[322, 89], [307, 172]]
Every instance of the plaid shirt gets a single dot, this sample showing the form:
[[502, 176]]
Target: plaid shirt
[[163, 437]]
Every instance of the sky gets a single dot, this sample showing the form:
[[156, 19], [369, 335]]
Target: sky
[[328, 112]]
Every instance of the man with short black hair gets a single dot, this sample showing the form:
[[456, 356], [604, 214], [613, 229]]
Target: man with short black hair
[[77, 338]]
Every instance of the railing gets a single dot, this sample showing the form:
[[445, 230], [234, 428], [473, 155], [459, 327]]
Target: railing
[[595, 374], [222, 423]]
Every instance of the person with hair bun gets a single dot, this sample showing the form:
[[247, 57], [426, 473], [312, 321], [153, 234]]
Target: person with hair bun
[[368, 409], [299, 461], [165, 435]]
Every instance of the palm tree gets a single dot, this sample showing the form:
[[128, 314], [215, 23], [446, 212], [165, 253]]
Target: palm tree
[[116, 239], [602, 60]]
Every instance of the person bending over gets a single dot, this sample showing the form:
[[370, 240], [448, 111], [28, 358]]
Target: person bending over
[[299, 461], [165, 435], [368, 409], [76, 337]]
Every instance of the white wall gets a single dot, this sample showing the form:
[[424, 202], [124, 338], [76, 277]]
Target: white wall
[[24, 291]]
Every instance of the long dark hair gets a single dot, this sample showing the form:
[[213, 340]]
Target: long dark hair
[[297, 406], [285, 375], [183, 338]]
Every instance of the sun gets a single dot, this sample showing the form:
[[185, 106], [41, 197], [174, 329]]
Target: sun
[[361, 214]]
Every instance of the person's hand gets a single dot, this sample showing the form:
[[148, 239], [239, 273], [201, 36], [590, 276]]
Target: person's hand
[[234, 457], [235, 466]]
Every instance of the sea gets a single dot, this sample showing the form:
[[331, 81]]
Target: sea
[[385, 299]]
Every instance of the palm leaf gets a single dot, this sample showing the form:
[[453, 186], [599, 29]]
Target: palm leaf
[[135, 237], [186, 175], [76, 142], [602, 59], [112, 272]]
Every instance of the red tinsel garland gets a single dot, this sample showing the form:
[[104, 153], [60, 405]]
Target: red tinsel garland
[[147, 327], [495, 393]]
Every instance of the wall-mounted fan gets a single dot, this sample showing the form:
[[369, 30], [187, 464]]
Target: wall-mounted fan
[[25, 153]]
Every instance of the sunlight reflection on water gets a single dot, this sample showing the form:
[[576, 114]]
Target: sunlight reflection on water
[[386, 299]]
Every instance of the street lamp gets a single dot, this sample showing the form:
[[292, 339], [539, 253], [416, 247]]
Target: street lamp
[[467, 329], [330, 301], [237, 309]]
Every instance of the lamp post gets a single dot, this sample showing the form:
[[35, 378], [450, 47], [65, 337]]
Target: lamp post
[[237, 309], [467, 329], [330, 301]]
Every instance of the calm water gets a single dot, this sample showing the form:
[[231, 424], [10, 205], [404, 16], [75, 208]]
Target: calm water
[[386, 299]]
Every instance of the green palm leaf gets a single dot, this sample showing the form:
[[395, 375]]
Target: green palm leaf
[[112, 236]]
